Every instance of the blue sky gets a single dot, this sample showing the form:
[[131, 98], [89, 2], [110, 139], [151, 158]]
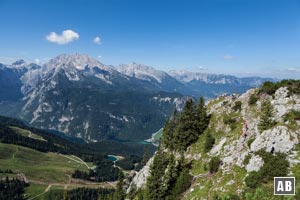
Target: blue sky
[[240, 37]]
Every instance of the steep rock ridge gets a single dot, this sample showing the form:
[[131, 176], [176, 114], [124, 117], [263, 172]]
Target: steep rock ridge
[[187, 76], [142, 72], [248, 149], [213, 85], [80, 96], [158, 78], [10, 83], [140, 179]]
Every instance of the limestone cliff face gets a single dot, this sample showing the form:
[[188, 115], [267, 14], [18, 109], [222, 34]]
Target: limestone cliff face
[[234, 145], [140, 179], [235, 125], [237, 144]]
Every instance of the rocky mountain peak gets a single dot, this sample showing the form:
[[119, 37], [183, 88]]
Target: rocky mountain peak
[[79, 61], [19, 62], [187, 76], [141, 71]]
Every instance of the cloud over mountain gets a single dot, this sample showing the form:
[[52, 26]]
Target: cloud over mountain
[[65, 37]]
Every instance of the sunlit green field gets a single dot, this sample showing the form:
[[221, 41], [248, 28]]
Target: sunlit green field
[[45, 167]]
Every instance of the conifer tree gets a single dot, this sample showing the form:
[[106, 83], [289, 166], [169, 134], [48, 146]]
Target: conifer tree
[[169, 130], [187, 128], [120, 193], [146, 156], [266, 121], [155, 189], [202, 116]]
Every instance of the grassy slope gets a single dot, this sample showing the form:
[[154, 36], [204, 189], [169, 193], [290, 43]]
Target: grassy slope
[[27, 133], [46, 168]]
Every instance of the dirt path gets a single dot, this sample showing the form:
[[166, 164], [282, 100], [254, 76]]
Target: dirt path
[[36, 196], [17, 150], [69, 182], [48, 188], [78, 161], [82, 161], [65, 186]]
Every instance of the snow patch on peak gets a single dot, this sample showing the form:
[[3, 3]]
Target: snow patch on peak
[[142, 72]]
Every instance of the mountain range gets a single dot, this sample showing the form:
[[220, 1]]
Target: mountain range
[[81, 97]]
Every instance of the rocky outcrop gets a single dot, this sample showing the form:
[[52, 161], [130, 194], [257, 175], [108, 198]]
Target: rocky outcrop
[[255, 163], [140, 178], [277, 139]]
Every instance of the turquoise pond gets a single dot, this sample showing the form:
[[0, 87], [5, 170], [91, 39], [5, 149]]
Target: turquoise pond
[[143, 142], [111, 158]]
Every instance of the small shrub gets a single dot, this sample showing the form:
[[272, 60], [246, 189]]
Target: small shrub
[[214, 164], [274, 165], [253, 99], [224, 103], [292, 116], [253, 179], [230, 121], [209, 142], [250, 142], [268, 87], [231, 197], [237, 106], [247, 159], [279, 160]]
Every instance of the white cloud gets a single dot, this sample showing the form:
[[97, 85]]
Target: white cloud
[[228, 57], [65, 37], [293, 69], [37, 61], [97, 40], [99, 57]]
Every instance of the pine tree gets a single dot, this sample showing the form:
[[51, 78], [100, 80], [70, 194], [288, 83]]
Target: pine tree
[[187, 129], [202, 116], [120, 193], [266, 119], [168, 131], [155, 189], [146, 156]]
